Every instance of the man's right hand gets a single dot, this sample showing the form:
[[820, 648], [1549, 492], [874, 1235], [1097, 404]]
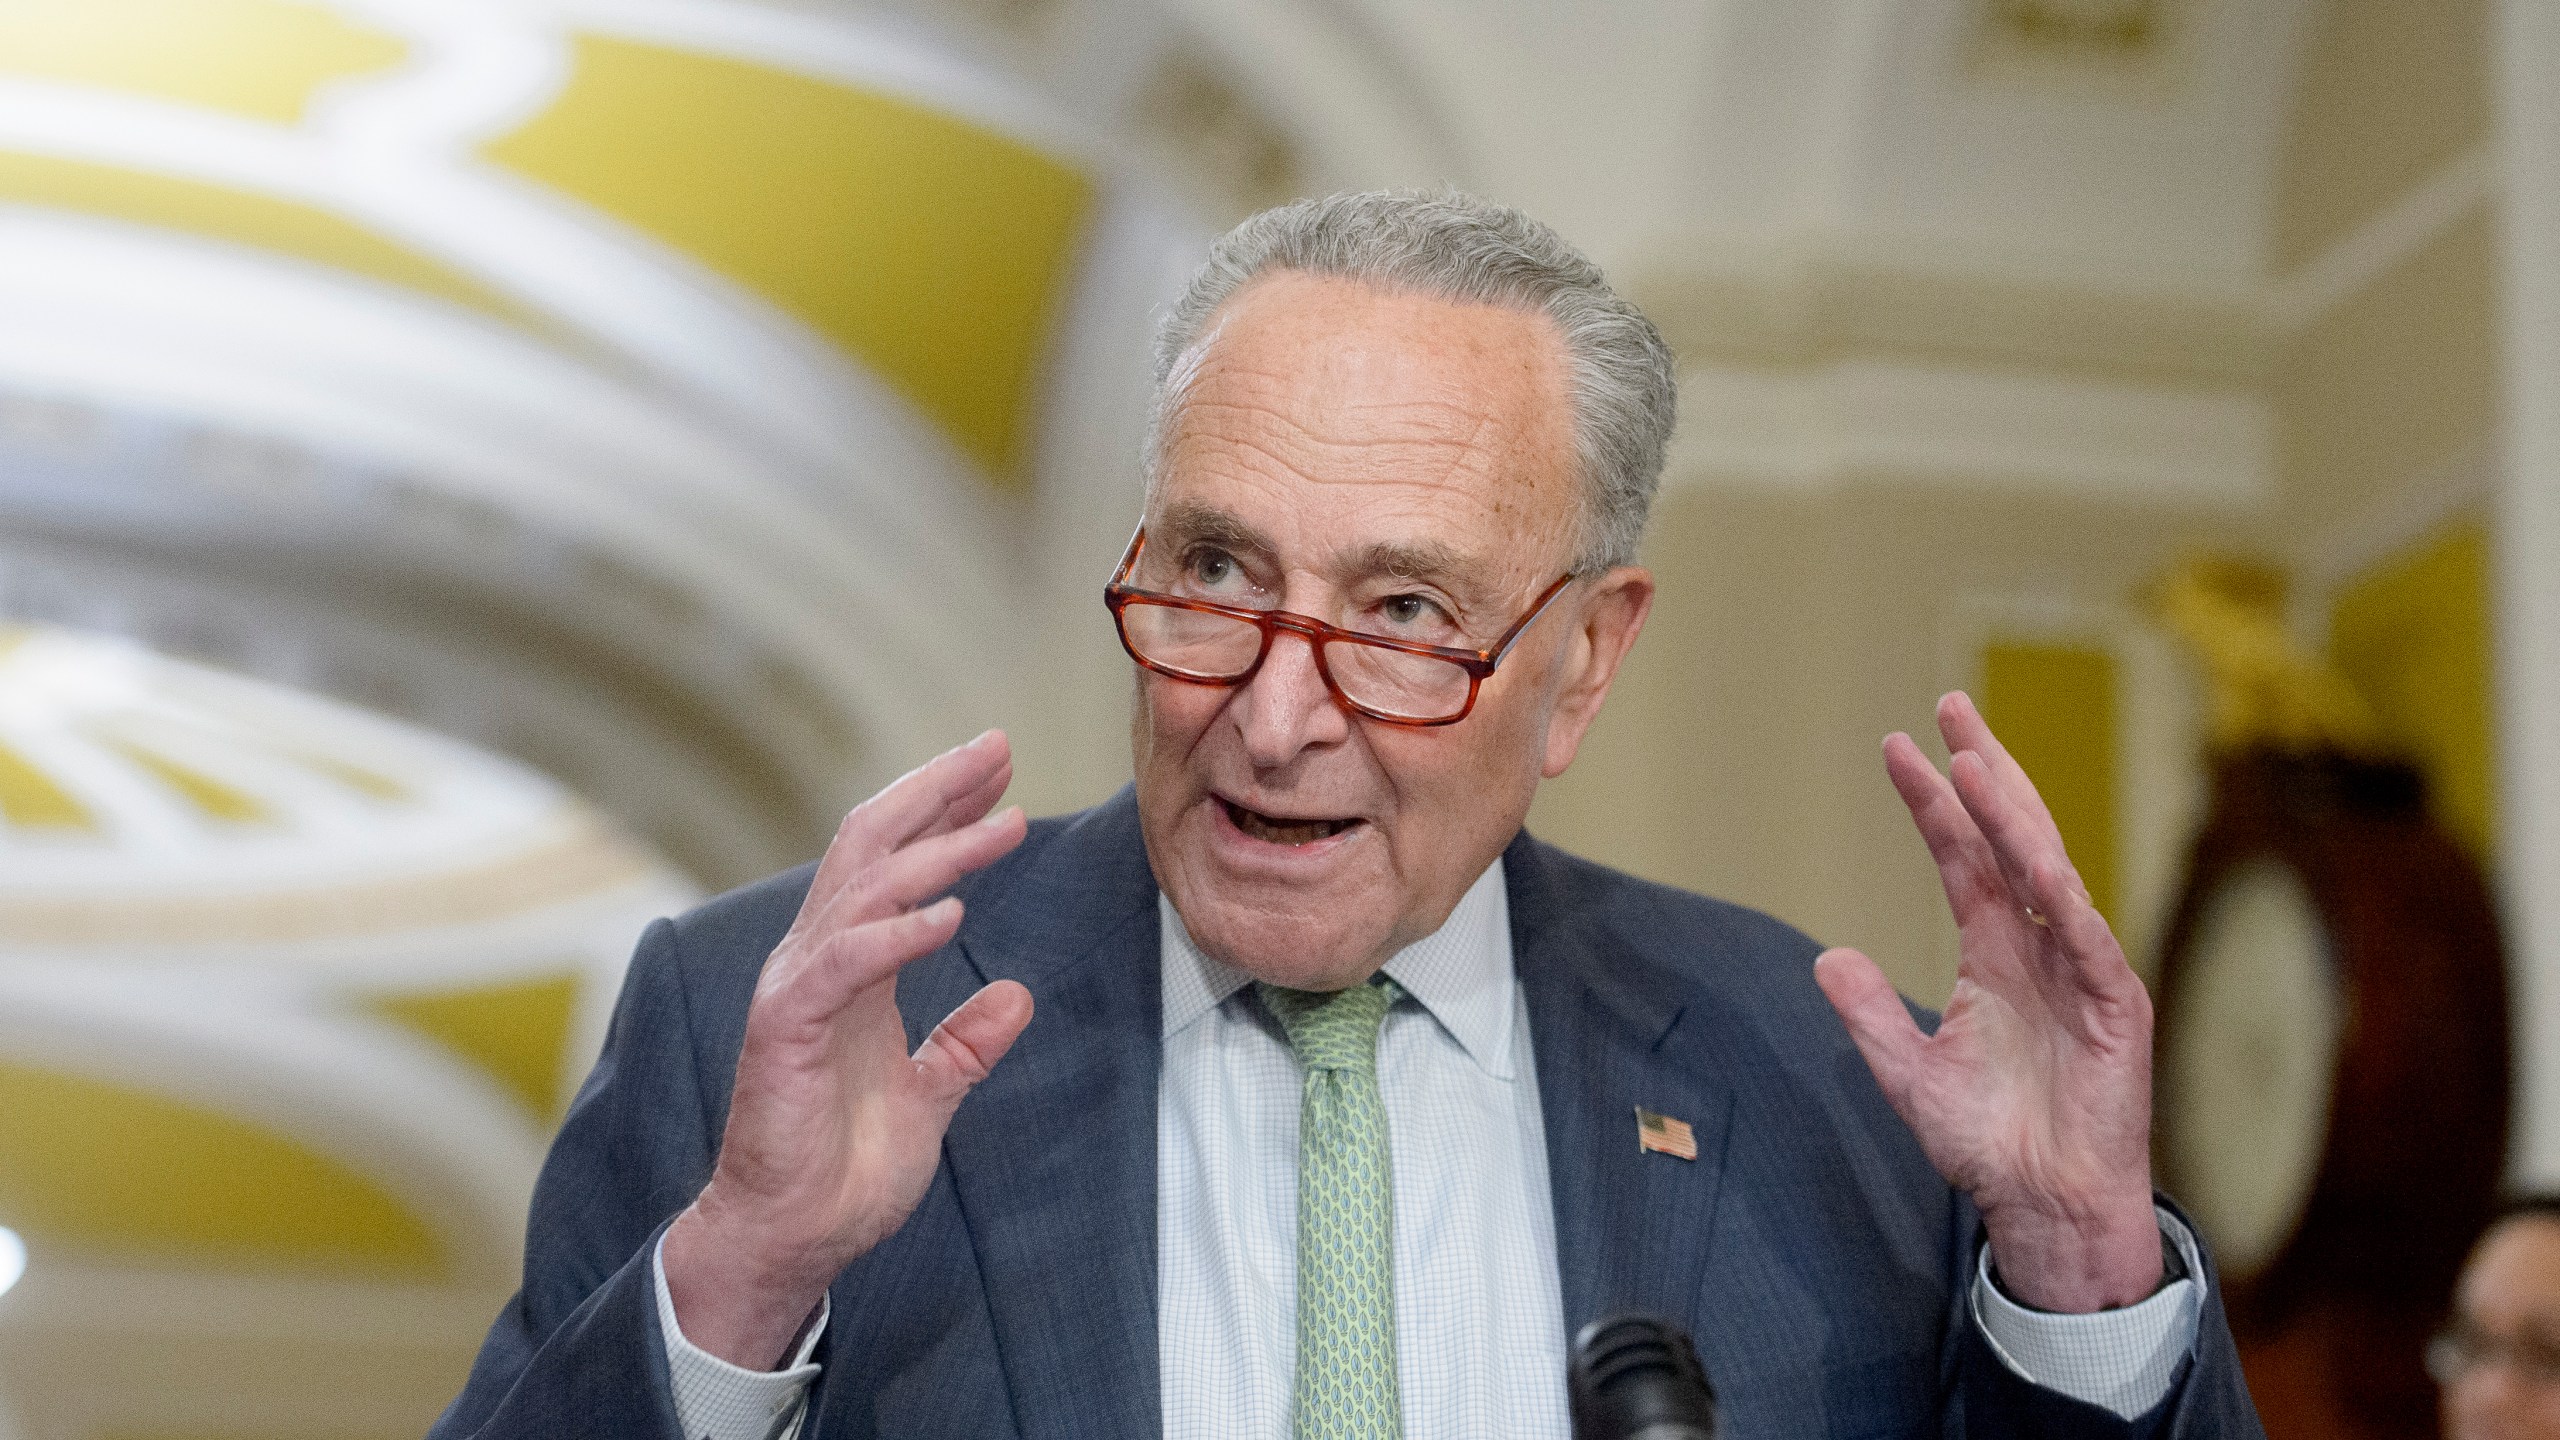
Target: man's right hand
[[834, 1129]]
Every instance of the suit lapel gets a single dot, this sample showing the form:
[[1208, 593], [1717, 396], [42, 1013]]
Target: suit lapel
[[1611, 1034], [1054, 1156]]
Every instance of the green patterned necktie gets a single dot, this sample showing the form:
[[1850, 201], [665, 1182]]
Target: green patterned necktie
[[1346, 1210]]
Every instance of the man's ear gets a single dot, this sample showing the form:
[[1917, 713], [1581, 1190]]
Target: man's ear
[[1606, 625]]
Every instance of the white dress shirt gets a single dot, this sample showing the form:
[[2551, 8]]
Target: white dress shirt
[[716, 1400], [1480, 1342]]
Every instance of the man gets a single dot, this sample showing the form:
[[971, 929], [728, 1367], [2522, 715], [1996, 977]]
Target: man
[[2499, 1361], [1348, 1101]]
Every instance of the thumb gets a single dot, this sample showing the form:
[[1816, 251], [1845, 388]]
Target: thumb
[[970, 1040], [1879, 1023]]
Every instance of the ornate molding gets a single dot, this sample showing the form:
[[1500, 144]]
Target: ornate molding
[[1890, 421], [1776, 309]]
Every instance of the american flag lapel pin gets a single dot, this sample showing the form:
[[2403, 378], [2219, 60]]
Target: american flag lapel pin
[[1664, 1135]]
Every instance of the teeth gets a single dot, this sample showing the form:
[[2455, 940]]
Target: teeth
[[1284, 832]]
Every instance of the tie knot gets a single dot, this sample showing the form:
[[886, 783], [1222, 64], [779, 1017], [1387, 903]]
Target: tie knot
[[1332, 1030]]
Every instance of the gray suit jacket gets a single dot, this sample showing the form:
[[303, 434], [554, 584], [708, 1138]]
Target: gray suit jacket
[[1820, 1262]]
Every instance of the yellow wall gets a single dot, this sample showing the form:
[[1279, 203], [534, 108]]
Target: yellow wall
[[113, 1172], [2411, 631], [2054, 707]]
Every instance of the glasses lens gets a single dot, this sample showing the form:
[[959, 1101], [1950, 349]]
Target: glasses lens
[[1194, 642], [1396, 682]]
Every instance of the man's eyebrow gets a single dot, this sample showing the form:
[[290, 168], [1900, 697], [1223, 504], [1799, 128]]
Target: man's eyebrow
[[1188, 522], [1425, 560], [1431, 562]]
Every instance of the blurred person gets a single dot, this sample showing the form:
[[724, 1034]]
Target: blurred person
[[1349, 1101], [2498, 1360]]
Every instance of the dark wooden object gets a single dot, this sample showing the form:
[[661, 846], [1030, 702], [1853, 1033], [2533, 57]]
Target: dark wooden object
[[2331, 1328]]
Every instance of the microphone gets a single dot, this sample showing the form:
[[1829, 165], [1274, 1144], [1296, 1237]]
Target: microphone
[[1634, 1377]]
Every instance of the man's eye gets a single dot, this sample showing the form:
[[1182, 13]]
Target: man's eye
[[1212, 568], [1414, 616], [2538, 1359]]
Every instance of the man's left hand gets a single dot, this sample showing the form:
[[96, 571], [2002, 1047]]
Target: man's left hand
[[2034, 1095]]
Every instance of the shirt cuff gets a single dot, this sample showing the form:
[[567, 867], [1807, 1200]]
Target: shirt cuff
[[716, 1400], [2123, 1361]]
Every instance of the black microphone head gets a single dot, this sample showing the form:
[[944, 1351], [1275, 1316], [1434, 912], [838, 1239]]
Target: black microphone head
[[1635, 1377]]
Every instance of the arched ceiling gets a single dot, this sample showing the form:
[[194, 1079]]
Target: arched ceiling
[[343, 342], [252, 58], [927, 243], [739, 349], [284, 987]]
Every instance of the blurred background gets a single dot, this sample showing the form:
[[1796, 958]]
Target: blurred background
[[478, 474]]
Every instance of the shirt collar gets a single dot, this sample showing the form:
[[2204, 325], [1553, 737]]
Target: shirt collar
[[1459, 973]]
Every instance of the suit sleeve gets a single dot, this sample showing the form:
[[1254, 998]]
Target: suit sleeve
[[578, 1351], [2207, 1398]]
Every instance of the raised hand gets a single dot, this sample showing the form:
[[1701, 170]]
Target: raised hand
[[834, 1129], [2034, 1095]]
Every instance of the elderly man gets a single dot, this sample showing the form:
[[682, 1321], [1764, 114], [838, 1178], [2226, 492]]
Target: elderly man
[[1348, 1100]]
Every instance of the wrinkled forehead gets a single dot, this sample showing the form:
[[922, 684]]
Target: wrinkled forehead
[[2513, 1279], [1396, 430], [1318, 320]]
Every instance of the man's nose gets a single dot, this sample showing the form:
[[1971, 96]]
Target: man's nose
[[1286, 708]]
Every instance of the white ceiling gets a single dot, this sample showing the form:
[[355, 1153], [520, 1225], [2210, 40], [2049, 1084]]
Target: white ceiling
[[1919, 129]]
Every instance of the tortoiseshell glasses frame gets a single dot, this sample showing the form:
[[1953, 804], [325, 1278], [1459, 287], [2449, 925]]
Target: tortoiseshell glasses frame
[[1426, 674]]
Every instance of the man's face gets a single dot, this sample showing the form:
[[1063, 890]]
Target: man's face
[[1389, 464], [2509, 1306]]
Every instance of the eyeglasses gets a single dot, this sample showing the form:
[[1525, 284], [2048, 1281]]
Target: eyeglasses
[[1402, 682], [2461, 1350]]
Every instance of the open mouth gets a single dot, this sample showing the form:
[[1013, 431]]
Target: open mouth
[[1283, 832]]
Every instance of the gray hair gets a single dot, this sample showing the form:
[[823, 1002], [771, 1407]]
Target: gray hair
[[1451, 246]]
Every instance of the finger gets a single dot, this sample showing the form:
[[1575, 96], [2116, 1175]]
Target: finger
[[2038, 870], [968, 808], [857, 958], [906, 807], [970, 1040], [1967, 869], [1961, 724], [2020, 845], [915, 873], [1879, 1023]]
